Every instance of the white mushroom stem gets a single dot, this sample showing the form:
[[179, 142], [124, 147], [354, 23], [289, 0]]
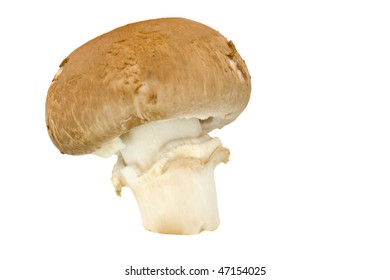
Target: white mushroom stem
[[169, 166]]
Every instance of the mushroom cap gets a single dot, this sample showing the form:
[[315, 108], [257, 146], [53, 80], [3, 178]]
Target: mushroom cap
[[142, 72]]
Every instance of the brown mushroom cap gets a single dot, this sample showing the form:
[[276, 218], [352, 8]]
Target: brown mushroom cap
[[146, 71]]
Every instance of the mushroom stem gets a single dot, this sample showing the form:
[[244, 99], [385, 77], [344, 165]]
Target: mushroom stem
[[169, 166], [183, 199]]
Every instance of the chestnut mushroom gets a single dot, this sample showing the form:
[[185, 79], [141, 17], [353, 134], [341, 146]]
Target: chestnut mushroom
[[149, 92]]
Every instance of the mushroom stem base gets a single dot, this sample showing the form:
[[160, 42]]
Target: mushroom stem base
[[183, 199]]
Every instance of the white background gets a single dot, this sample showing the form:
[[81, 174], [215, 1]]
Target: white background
[[306, 191]]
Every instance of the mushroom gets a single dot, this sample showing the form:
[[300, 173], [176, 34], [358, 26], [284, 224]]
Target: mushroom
[[149, 92]]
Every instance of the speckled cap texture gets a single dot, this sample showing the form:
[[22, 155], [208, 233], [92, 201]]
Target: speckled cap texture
[[146, 71]]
